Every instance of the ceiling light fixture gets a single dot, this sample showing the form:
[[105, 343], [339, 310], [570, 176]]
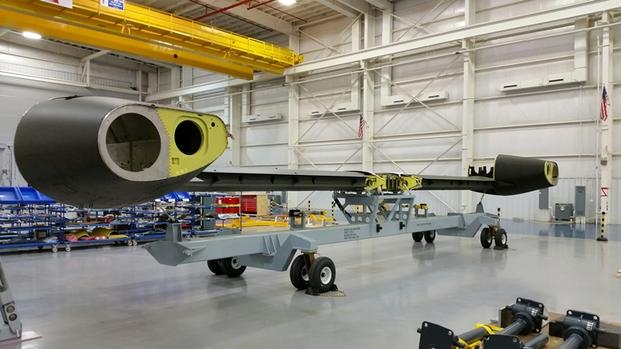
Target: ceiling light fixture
[[31, 35], [287, 2]]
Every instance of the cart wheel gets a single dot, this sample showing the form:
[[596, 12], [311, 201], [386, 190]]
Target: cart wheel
[[134, 242], [430, 235], [54, 249], [214, 266], [322, 274], [298, 273], [500, 240], [231, 267], [67, 248], [486, 237], [418, 237]]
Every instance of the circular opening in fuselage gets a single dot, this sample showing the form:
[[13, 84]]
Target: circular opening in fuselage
[[188, 137], [133, 142]]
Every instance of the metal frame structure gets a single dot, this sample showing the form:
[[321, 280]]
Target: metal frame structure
[[472, 31], [368, 216]]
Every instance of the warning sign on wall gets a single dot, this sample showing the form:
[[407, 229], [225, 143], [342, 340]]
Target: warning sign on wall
[[115, 4], [63, 3], [604, 191]]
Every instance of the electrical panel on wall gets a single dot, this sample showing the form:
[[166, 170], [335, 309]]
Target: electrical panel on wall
[[259, 117], [425, 97], [561, 79], [339, 108]]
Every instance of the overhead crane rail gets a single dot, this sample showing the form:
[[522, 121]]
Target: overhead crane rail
[[178, 37]]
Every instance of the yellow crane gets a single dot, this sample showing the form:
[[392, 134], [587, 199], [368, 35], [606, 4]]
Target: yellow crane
[[146, 32]]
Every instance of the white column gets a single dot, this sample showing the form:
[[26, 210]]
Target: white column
[[175, 82], [4, 171], [152, 82], [235, 117], [387, 26], [606, 126], [368, 112], [368, 97], [581, 50], [467, 141], [139, 82], [175, 77], [187, 79], [356, 45], [293, 121]]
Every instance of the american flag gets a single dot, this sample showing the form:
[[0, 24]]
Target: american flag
[[603, 111], [362, 124]]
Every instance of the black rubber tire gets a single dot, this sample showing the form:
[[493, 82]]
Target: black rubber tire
[[430, 235], [231, 267], [418, 237], [214, 266], [298, 273], [317, 271], [500, 240], [486, 237]]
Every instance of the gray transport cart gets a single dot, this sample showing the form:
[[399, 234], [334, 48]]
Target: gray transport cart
[[368, 216]]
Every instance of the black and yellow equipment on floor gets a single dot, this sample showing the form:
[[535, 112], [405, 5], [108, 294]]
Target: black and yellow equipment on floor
[[503, 341], [585, 330], [439, 337], [522, 318]]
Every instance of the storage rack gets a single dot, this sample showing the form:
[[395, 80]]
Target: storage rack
[[30, 220]]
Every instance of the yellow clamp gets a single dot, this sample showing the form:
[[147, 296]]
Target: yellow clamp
[[489, 328], [375, 183], [463, 343], [411, 182], [393, 182]]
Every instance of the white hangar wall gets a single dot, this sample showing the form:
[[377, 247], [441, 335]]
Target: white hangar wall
[[556, 122]]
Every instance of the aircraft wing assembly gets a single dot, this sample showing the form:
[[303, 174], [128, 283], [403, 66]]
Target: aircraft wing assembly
[[535, 174], [112, 152]]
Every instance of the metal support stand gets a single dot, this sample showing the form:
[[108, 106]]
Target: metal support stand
[[368, 215], [11, 326], [501, 341], [523, 317], [297, 219], [583, 330], [602, 228]]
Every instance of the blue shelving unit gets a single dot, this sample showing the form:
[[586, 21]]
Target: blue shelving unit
[[29, 220]]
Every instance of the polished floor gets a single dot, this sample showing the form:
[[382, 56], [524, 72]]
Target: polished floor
[[119, 297]]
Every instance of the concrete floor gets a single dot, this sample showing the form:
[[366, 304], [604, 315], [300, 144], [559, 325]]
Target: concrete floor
[[119, 297]]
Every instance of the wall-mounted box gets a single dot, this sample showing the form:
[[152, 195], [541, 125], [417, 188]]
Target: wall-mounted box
[[425, 97], [258, 117], [560, 79], [339, 108]]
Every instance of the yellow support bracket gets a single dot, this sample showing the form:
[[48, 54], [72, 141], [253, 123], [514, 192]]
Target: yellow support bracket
[[146, 24], [411, 182], [393, 183], [375, 183]]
